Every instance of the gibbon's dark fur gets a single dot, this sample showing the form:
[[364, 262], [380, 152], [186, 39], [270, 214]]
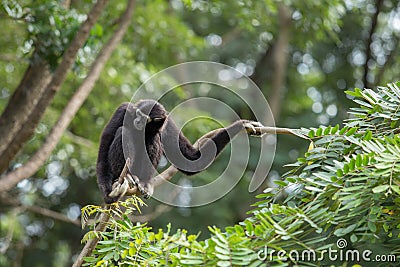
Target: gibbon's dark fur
[[146, 145]]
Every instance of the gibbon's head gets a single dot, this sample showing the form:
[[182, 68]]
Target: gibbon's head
[[150, 113]]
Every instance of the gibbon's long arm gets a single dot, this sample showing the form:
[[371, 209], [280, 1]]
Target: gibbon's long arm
[[190, 159]]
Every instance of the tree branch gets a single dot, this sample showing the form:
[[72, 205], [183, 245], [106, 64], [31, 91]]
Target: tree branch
[[275, 58], [25, 97], [38, 159], [171, 170], [5, 244], [79, 140], [7, 199], [91, 244], [16, 129], [368, 51]]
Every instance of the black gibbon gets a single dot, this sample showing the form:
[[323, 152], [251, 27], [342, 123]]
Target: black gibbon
[[144, 132]]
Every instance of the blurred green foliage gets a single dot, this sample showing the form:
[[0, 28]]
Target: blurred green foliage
[[326, 56]]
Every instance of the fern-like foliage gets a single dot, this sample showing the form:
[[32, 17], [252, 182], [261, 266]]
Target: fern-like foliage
[[342, 196]]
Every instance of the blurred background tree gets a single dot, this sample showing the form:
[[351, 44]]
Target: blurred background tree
[[301, 55]]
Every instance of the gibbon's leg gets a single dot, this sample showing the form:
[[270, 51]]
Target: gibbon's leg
[[105, 177]]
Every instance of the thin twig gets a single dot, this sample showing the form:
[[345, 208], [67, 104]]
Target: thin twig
[[275, 130], [124, 171], [79, 139]]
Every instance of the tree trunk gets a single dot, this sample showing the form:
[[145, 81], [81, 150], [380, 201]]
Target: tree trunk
[[20, 105], [280, 57], [275, 58], [368, 51]]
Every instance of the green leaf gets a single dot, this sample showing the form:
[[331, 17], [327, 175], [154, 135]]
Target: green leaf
[[249, 227], [380, 188], [97, 30], [192, 261], [395, 188], [327, 130], [352, 164], [351, 131], [355, 93], [313, 188], [280, 183], [346, 168], [335, 129], [222, 250], [372, 226], [108, 256], [239, 229], [365, 160], [106, 249], [358, 160], [224, 263], [349, 229], [311, 134], [368, 135], [343, 130], [319, 132]]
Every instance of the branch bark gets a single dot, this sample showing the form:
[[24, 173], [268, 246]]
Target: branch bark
[[37, 160], [7, 199], [368, 51], [91, 244], [16, 129], [24, 99]]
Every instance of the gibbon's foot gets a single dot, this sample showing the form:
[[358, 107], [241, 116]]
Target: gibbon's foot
[[146, 192], [127, 186], [131, 181], [119, 189], [251, 128]]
